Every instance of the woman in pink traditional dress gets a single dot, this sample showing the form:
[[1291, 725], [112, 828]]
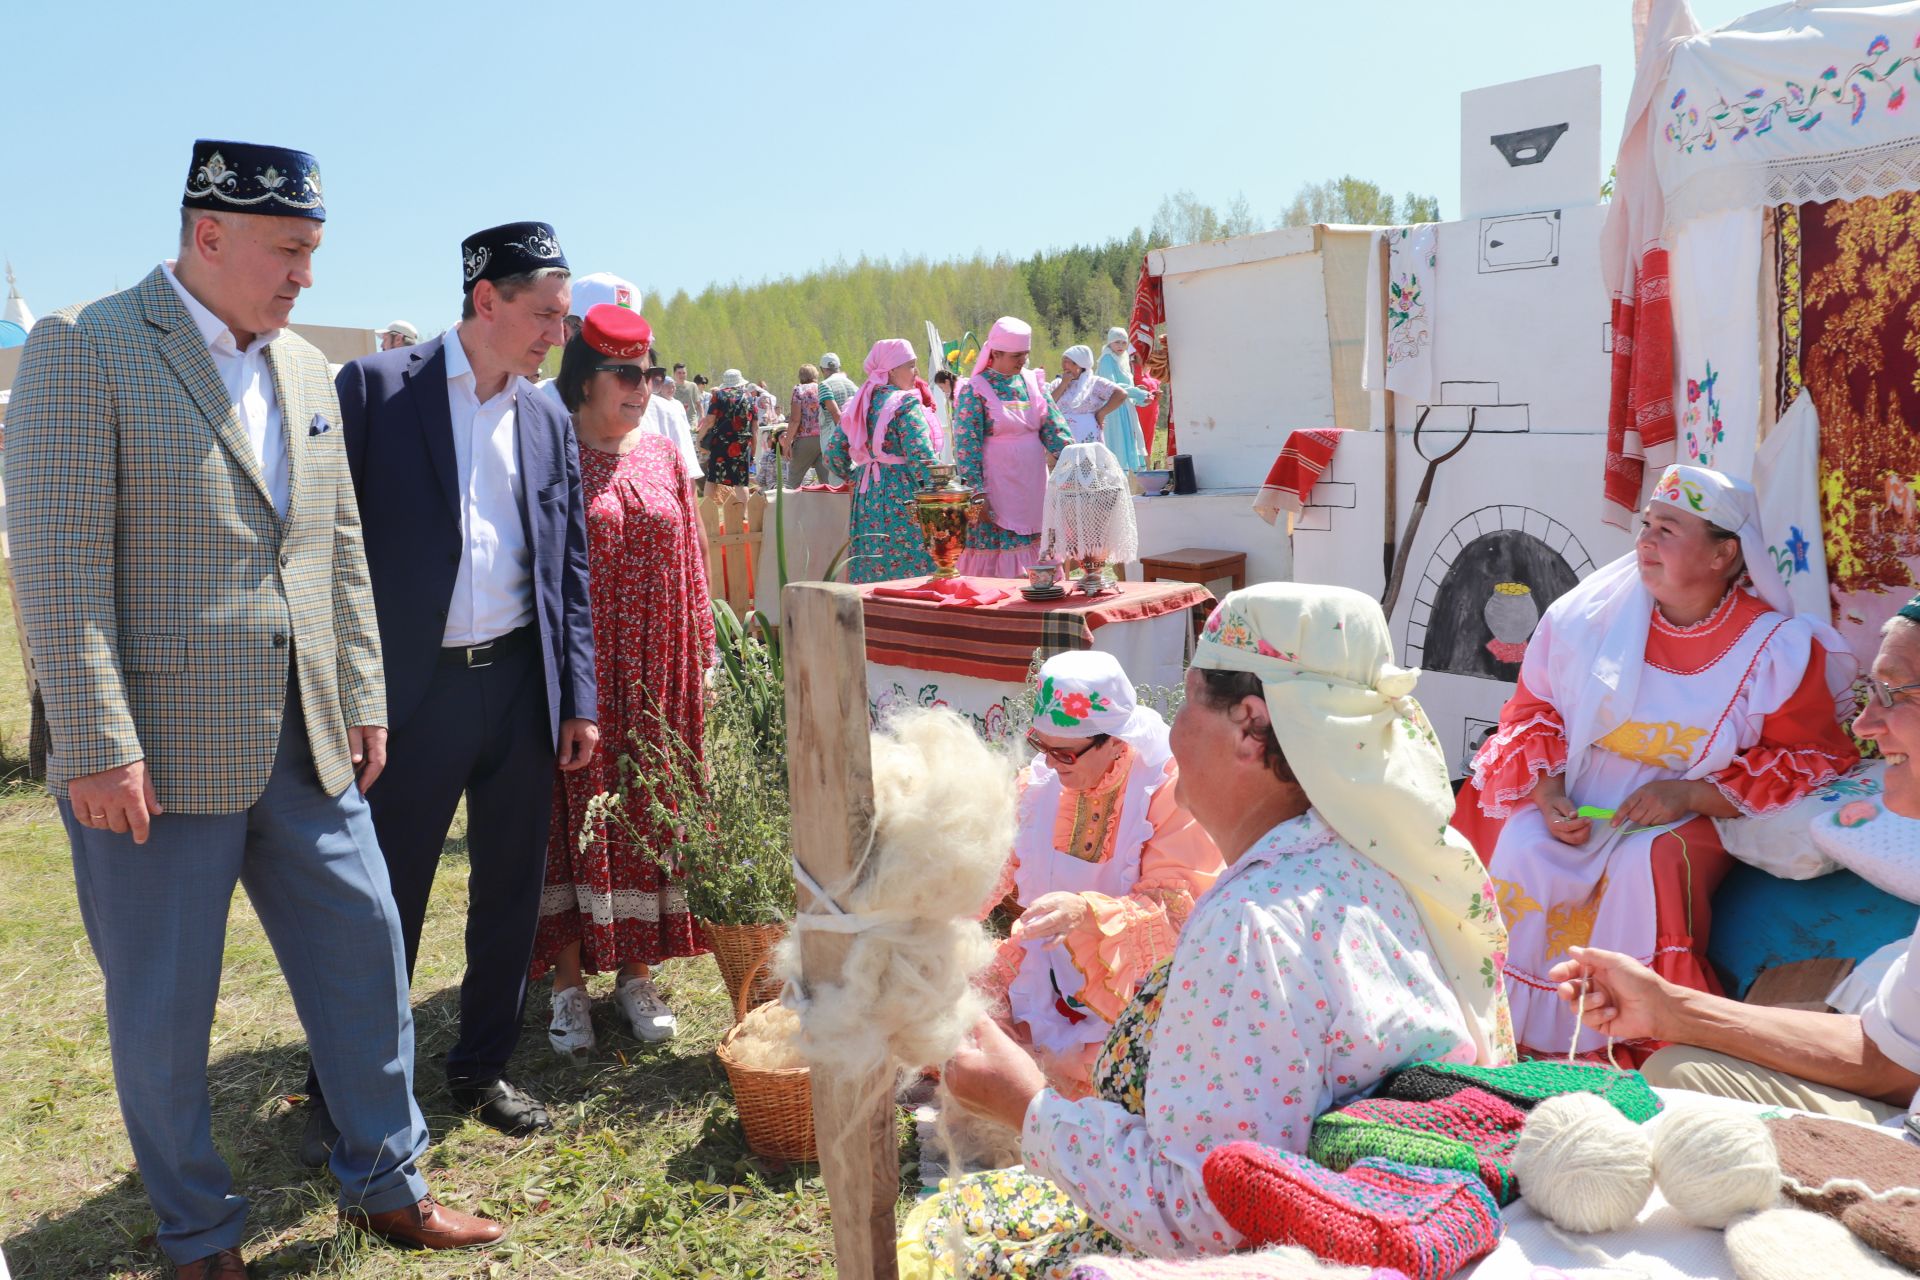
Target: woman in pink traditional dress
[[1106, 865], [1662, 689], [609, 906], [1006, 434]]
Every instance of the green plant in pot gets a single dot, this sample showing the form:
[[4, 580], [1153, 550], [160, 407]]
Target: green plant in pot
[[733, 859]]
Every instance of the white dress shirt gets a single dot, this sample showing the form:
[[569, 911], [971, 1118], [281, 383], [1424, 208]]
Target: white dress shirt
[[668, 417], [493, 589], [248, 379]]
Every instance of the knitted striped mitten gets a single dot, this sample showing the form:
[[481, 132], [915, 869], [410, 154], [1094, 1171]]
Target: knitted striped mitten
[[1472, 1131], [1426, 1222], [1526, 1084]]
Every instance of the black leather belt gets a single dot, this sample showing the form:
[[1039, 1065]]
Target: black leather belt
[[485, 655]]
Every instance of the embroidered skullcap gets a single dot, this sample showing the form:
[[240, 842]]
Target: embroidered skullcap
[[1911, 610], [589, 291], [246, 177], [1008, 334], [511, 249], [1116, 334], [616, 332], [1081, 355]]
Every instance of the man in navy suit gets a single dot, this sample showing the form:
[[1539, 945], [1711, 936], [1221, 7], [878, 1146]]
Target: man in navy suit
[[469, 488]]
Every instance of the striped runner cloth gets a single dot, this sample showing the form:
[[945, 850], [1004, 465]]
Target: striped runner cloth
[[998, 641]]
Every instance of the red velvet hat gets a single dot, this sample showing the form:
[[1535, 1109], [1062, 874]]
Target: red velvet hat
[[616, 332]]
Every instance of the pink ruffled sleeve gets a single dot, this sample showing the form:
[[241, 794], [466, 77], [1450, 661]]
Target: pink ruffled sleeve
[[1801, 747], [1124, 939], [1530, 743]]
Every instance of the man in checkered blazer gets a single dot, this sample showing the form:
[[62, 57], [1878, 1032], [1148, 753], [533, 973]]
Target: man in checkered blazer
[[187, 558]]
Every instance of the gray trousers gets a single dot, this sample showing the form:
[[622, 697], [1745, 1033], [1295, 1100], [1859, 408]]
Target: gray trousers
[[156, 915], [806, 453]]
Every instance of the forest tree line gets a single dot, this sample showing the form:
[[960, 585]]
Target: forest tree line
[[769, 329]]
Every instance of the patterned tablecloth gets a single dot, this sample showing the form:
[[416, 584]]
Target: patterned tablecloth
[[997, 641], [974, 660]]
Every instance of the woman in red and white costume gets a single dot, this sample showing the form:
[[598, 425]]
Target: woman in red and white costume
[[1674, 686]]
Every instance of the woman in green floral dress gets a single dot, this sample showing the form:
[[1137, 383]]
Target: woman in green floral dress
[[1006, 433], [888, 457]]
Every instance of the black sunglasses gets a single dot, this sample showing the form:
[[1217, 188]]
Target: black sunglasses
[[631, 376]]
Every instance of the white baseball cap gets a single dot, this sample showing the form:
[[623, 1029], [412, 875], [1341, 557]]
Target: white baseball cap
[[603, 287], [404, 329]]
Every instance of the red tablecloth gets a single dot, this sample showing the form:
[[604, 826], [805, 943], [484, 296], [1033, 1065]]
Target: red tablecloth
[[997, 641]]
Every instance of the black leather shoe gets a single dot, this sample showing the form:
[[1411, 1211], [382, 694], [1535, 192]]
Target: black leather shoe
[[501, 1105], [317, 1139]]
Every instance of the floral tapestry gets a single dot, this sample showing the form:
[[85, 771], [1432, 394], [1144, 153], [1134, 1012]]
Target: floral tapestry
[[1855, 327]]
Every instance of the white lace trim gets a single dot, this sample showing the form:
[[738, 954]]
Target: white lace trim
[[1783, 763], [1853, 174], [1498, 803]]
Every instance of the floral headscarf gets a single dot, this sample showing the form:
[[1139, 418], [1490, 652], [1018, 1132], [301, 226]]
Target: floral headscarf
[[1085, 692], [1372, 767]]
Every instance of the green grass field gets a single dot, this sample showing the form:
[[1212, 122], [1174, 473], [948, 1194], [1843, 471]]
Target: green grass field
[[646, 1172]]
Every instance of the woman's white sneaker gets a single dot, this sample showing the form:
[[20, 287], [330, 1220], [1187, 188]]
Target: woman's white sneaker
[[571, 1030], [640, 1001]]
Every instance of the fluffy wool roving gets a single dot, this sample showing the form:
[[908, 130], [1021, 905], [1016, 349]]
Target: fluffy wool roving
[[1583, 1164], [1793, 1244], [943, 823], [1714, 1164]]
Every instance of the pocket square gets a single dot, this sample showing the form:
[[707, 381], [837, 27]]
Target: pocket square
[[319, 426]]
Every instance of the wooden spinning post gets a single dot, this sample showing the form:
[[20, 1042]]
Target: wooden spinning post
[[830, 781]]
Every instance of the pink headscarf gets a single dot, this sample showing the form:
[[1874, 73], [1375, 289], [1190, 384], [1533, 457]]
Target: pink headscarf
[[1007, 334], [863, 446]]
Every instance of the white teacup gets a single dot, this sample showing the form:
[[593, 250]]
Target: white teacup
[[1043, 576]]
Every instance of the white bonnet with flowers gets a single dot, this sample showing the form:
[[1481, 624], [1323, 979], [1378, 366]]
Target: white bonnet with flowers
[[1085, 692], [1372, 768]]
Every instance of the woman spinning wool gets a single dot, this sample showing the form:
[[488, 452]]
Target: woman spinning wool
[[1349, 935], [886, 440], [1662, 689], [1006, 431], [1086, 399], [1106, 864]]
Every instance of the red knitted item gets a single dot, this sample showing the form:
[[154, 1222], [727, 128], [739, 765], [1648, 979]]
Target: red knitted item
[[1427, 1222], [1472, 1131]]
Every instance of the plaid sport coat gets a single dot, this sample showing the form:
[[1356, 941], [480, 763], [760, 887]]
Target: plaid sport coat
[[163, 597]]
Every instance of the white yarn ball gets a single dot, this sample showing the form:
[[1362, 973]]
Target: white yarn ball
[[1793, 1244], [1714, 1164], [1583, 1164]]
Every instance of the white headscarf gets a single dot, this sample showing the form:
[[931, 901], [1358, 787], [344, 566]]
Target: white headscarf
[[1116, 334], [1372, 768], [1081, 355], [1085, 692], [1601, 625]]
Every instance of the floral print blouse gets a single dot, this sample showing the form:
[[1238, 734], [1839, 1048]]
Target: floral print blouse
[[1302, 978]]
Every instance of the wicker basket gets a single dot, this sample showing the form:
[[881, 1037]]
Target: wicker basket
[[776, 1107], [739, 949]]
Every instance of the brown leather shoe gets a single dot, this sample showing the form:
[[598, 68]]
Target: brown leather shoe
[[427, 1225], [224, 1265]]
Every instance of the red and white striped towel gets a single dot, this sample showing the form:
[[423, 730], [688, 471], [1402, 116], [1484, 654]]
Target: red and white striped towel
[[1294, 473]]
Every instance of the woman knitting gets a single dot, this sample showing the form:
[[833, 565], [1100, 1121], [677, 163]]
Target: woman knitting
[[1350, 934], [1665, 693], [1106, 865]]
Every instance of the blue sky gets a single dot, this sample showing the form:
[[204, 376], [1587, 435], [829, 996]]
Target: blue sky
[[681, 145]]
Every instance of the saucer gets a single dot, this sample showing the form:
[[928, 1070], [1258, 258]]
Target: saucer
[[1044, 593]]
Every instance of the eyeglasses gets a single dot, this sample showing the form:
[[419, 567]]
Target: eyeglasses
[[1061, 755], [1883, 692], [631, 376]]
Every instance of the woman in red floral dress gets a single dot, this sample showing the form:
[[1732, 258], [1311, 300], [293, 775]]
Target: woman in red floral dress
[[609, 905]]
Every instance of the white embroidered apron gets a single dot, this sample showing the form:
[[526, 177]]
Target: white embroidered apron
[[1044, 869], [1551, 894]]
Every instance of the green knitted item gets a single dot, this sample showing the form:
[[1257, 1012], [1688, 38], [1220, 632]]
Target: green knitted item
[[1472, 1132], [1527, 1084]]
